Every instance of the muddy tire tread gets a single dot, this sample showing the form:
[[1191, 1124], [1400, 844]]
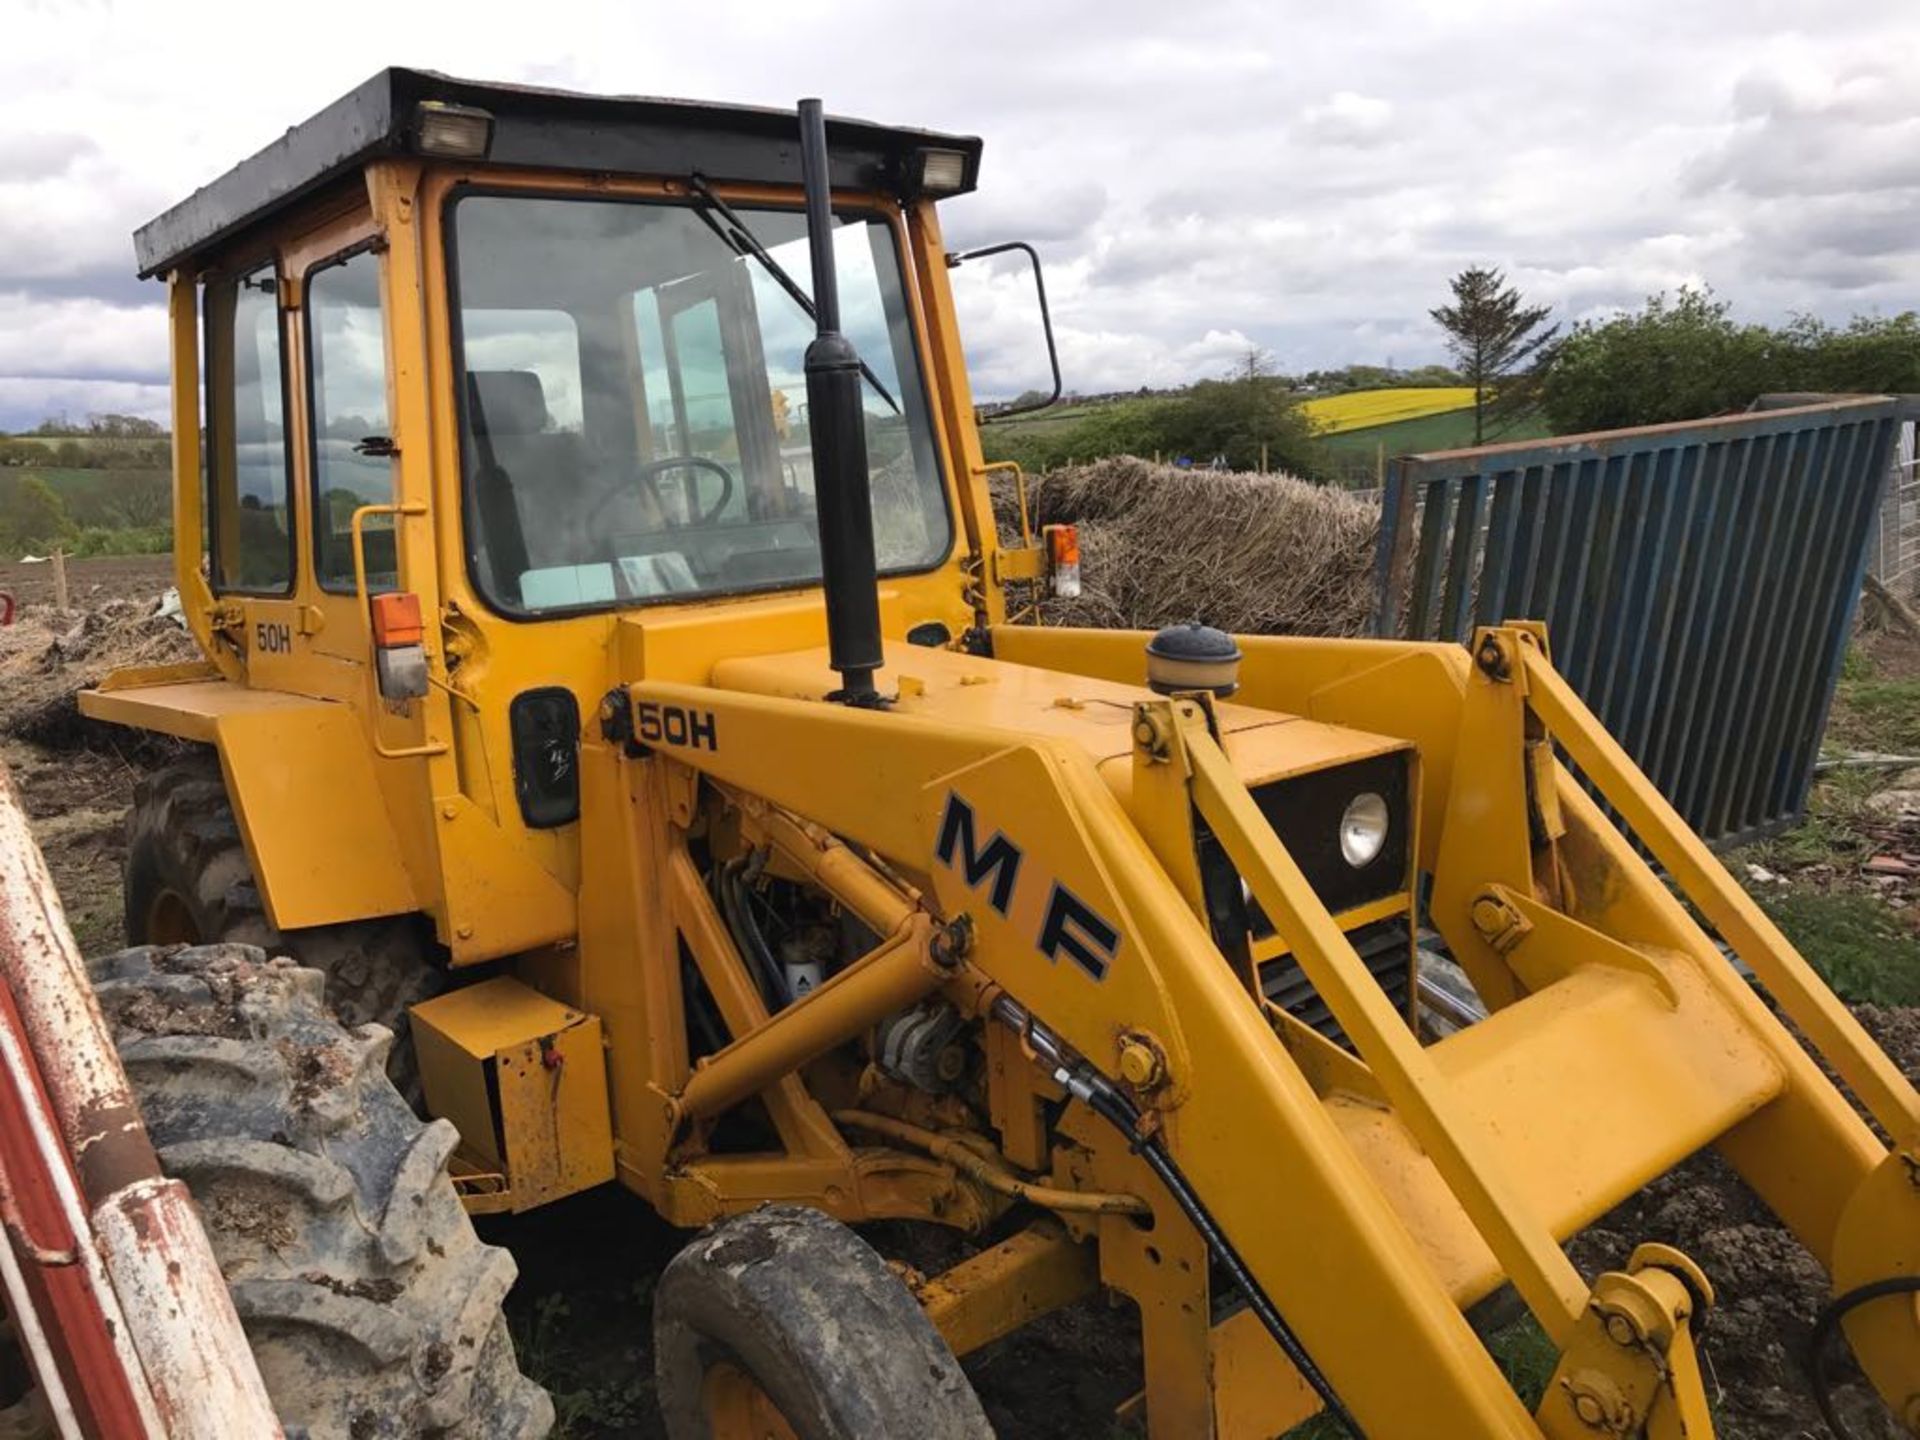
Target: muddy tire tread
[[182, 834], [372, 1307], [814, 1315]]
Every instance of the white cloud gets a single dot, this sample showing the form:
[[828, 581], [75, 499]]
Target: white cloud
[[81, 338], [1348, 118], [1198, 179]]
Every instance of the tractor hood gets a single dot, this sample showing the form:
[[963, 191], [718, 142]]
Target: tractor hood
[[1026, 702]]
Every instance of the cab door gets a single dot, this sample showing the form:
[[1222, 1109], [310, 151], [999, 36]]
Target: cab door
[[252, 515], [350, 448]]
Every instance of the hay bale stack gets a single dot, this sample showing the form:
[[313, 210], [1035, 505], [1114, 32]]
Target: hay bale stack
[[1256, 554]]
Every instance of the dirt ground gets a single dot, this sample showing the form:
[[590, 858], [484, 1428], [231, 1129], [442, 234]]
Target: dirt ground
[[89, 582], [588, 1265]]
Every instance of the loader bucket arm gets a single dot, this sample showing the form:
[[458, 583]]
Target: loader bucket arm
[[1245, 1118], [1382, 1202]]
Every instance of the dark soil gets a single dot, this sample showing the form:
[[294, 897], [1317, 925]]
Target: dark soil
[[78, 802], [89, 582], [1768, 1290]]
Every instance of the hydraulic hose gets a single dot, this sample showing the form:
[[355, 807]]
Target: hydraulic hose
[[990, 1174], [1106, 1100], [730, 886], [1824, 1324]]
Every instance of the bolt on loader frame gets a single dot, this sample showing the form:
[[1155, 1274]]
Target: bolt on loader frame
[[505, 512]]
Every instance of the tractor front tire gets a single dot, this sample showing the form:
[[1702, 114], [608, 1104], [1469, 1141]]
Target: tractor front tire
[[783, 1322], [372, 1308], [189, 882]]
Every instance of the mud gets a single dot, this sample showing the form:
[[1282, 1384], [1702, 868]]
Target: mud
[[380, 1291], [264, 1220], [75, 777], [49, 655]]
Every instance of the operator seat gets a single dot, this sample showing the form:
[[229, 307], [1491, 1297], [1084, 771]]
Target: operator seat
[[543, 503], [534, 479]]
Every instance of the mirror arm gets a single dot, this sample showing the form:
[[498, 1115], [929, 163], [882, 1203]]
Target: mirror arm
[[1046, 321]]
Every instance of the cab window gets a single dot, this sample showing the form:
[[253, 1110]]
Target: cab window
[[250, 521], [352, 434], [633, 404]]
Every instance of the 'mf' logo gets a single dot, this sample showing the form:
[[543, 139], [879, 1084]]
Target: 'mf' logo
[[1076, 930], [1070, 928], [999, 862]]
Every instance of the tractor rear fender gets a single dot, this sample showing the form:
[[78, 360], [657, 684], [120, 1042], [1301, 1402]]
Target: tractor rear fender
[[313, 814]]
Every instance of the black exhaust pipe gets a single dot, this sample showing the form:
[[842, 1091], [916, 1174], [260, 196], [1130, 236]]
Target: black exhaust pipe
[[837, 423]]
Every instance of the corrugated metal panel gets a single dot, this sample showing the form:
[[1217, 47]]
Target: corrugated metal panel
[[1698, 582]]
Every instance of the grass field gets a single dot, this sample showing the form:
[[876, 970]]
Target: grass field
[[1452, 430], [122, 511], [1367, 409]]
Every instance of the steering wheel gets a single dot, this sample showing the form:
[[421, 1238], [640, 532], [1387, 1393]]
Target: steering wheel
[[647, 477]]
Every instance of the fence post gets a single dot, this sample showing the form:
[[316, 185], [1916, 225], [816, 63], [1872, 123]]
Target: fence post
[[59, 578]]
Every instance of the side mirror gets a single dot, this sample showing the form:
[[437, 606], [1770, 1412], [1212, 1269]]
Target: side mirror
[[1046, 321]]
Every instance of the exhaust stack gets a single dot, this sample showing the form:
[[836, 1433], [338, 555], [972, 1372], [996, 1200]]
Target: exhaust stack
[[839, 440]]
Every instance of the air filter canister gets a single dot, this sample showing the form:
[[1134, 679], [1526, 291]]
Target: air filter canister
[[1193, 657]]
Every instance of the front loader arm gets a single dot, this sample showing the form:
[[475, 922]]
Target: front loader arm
[[1244, 1127]]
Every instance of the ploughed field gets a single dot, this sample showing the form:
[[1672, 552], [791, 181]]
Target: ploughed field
[[1846, 885]]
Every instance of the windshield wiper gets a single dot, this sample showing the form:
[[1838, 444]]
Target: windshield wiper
[[742, 241]]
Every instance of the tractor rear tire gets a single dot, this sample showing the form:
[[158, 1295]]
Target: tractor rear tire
[[372, 1308], [783, 1319], [189, 882]]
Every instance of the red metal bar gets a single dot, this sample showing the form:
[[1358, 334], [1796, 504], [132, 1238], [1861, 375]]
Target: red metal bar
[[120, 1301]]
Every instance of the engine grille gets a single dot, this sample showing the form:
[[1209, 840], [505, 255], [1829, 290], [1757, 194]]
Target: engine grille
[[1386, 948]]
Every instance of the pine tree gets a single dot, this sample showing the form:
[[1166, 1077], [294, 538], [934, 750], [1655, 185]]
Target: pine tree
[[1497, 345]]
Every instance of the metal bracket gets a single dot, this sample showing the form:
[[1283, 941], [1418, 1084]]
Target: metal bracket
[[1500, 922], [1632, 1352]]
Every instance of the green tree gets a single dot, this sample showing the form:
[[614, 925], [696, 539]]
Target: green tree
[[141, 499], [1497, 344], [31, 515], [1240, 421], [1678, 359], [1871, 354], [20, 453]]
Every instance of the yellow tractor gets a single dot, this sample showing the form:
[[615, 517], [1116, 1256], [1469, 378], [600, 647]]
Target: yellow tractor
[[615, 686]]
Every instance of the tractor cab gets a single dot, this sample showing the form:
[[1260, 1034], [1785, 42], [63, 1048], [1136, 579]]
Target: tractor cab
[[498, 397], [573, 329]]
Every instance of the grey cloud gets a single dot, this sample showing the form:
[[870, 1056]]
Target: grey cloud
[[1859, 132], [1230, 171], [1348, 118], [1058, 216], [38, 155]]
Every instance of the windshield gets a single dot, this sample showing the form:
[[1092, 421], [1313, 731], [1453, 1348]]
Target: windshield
[[634, 408]]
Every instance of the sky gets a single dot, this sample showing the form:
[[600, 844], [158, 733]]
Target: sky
[[1200, 177]]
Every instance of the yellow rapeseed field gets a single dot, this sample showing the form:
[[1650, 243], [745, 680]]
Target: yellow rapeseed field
[[1363, 409]]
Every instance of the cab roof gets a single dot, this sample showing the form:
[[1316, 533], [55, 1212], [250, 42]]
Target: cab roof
[[537, 129]]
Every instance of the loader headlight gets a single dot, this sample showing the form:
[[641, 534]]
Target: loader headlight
[[1363, 829], [1349, 828]]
